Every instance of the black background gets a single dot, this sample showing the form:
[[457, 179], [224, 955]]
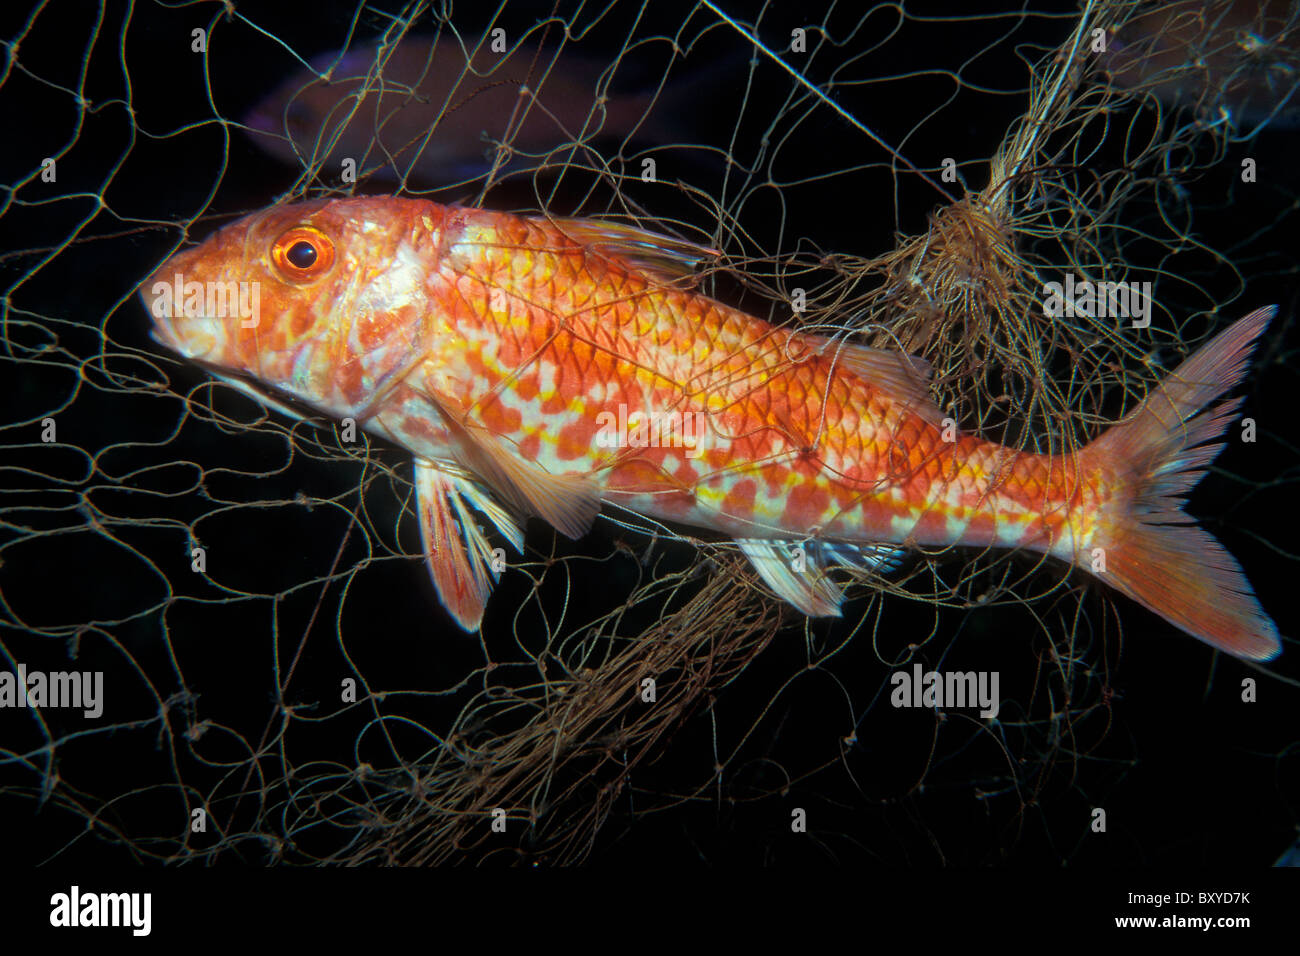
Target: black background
[[1188, 775]]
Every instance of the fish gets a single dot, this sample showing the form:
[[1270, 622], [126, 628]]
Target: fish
[[1244, 57], [518, 359], [435, 106]]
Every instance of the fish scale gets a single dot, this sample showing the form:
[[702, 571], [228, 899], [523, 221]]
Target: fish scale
[[522, 361], [774, 410]]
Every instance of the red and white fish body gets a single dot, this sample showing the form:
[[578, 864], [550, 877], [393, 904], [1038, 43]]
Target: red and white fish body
[[543, 367]]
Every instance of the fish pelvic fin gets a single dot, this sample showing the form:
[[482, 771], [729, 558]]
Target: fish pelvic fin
[[568, 502], [1153, 552], [462, 562]]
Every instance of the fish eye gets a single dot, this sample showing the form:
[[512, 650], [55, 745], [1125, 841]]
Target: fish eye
[[303, 254]]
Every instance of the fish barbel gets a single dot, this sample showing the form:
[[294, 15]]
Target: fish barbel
[[543, 367]]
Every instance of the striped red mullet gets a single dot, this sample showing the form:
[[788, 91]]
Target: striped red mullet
[[539, 366]]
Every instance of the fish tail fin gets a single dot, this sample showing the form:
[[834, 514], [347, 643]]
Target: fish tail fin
[[1152, 551]]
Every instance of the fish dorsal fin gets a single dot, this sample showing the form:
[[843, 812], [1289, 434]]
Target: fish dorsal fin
[[458, 553], [569, 503], [666, 257], [905, 377]]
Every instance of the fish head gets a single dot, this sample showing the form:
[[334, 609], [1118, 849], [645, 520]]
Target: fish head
[[285, 129], [324, 302], [299, 121], [447, 109], [373, 108], [1236, 62]]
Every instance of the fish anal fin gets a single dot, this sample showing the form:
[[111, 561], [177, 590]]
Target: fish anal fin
[[794, 574], [879, 559], [905, 377]]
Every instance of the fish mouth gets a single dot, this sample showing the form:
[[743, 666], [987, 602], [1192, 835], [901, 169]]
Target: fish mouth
[[178, 298], [196, 337], [165, 337], [196, 347], [163, 330]]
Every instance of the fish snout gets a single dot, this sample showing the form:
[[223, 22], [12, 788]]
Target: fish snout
[[191, 317], [193, 337], [283, 132]]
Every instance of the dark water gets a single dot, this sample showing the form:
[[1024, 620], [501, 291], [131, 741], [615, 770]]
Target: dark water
[[1186, 772]]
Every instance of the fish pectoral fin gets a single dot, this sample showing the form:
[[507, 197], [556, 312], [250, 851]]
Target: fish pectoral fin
[[905, 377], [791, 570], [461, 561]]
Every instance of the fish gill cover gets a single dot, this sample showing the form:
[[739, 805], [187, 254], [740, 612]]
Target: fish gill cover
[[269, 676]]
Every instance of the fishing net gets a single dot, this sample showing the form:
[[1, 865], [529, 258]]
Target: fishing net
[[279, 683]]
